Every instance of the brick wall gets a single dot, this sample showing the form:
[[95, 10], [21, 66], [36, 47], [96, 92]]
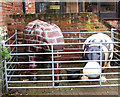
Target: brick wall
[[73, 22], [13, 17], [30, 6], [1, 15], [10, 8], [17, 8], [69, 22], [114, 23], [6, 8]]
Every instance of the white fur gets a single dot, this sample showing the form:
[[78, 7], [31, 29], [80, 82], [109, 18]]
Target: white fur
[[93, 69]]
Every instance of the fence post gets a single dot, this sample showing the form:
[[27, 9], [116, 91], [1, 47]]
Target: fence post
[[1, 71], [100, 64], [53, 73], [16, 44], [112, 34], [5, 66], [79, 44], [2, 66]]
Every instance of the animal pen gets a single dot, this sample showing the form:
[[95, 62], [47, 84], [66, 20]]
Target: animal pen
[[17, 72]]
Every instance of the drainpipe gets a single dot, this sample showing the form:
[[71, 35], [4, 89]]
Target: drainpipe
[[24, 6], [99, 9], [118, 9], [83, 5]]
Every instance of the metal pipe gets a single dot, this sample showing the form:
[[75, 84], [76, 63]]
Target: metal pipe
[[11, 59], [11, 70], [60, 74], [86, 32], [53, 72], [59, 44], [73, 48], [116, 33], [10, 37], [11, 44], [2, 64], [74, 38], [75, 32], [5, 66], [12, 50], [16, 44], [116, 39], [52, 52], [116, 45], [117, 54], [100, 65], [63, 86], [58, 68], [11, 64], [62, 53], [59, 61], [12, 73], [44, 81]]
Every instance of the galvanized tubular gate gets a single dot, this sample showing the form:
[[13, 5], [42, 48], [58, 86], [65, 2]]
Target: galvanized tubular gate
[[17, 72]]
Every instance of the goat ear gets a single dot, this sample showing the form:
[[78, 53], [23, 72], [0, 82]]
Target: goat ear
[[84, 51]]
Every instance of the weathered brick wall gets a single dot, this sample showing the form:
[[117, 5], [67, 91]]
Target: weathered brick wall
[[12, 16], [17, 8], [1, 18], [114, 23], [30, 6], [73, 22], [67, 22], [5, 9], [10, 8]]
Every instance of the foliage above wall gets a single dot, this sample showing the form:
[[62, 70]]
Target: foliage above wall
[[4, 53], [3, 31]]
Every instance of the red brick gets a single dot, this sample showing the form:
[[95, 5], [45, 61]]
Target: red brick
[[92, 27]]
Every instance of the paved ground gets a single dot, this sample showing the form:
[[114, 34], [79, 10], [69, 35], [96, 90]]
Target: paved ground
[[67, 91], [0, 92], [70, 91]]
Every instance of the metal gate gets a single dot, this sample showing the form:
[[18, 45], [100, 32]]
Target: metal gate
[[16, 74]]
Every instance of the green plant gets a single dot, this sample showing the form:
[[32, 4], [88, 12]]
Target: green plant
[[87, 15], [4, 53], [2, 68]]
